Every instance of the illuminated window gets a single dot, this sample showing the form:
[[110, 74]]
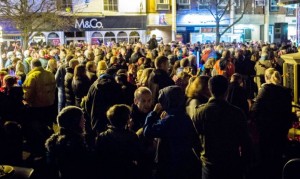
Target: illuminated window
[[110, 5], [184, 4], [122, 37], [134, 37], [109, 37], [162, 5], [97, 38], [162, 1], [65, 5], [273, 6]]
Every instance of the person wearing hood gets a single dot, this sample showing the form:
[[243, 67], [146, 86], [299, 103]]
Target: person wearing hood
[[178, 143]]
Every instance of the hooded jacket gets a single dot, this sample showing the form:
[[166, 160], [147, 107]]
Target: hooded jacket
[[179, 145]]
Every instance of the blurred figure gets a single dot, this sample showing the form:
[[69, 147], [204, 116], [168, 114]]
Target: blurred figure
[[237, 94], [222, 129], [11, 141], [197, 93], [60, 82], [70, 96], [91, 69], [272, 113], [39, 95], [101, 68], [103, 94], [178, 143], [117, 149], [80, 84], [159, 78], [152, 42], [68, 154], [12, 98], [52, 66]]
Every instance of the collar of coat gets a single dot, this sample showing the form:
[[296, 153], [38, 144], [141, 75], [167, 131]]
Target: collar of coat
[[36, 69]]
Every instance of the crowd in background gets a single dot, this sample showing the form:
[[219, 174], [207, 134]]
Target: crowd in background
[[149, 110]]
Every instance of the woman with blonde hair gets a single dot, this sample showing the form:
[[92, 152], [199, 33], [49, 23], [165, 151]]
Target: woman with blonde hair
[[52, 66], [143, 79], [20, 73], [272, 76], [272, 114]]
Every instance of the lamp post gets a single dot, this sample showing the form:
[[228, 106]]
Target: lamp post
[[1, 40]]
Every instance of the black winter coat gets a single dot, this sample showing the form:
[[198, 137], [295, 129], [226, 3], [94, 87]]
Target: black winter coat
[[69, 154], [118, 153], [70, 96], [80, 88], [272, 112], [103, 93]]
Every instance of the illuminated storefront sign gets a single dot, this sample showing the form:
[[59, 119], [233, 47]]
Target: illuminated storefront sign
[[88, 24]]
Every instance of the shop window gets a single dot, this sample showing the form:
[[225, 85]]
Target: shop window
[[97, 38], [53, 39], [79, 34], [122, 37], [110, 5], [134, 37], [69, 34], [74, 34], [109, 38]]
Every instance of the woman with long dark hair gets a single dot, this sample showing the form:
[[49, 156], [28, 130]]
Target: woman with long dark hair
[[80, 84]]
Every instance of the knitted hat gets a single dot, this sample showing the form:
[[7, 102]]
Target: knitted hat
[[69, 118]]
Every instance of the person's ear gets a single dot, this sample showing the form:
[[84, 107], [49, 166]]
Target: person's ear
[[135, 101]]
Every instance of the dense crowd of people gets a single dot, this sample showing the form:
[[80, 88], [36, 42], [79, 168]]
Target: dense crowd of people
[[149, 110]]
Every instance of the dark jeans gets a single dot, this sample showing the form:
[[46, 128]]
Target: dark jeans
[[61, 99]]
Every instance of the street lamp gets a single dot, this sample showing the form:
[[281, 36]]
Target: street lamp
[[1, 40]]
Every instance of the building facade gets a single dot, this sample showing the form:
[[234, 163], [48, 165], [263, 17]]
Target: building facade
[[159, 19], [104, 21], [96, 22], [195, 23]]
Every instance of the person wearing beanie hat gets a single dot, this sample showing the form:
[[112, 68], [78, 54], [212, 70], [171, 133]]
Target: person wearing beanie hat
[[178, 145], [67, 150], [71, 119]]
